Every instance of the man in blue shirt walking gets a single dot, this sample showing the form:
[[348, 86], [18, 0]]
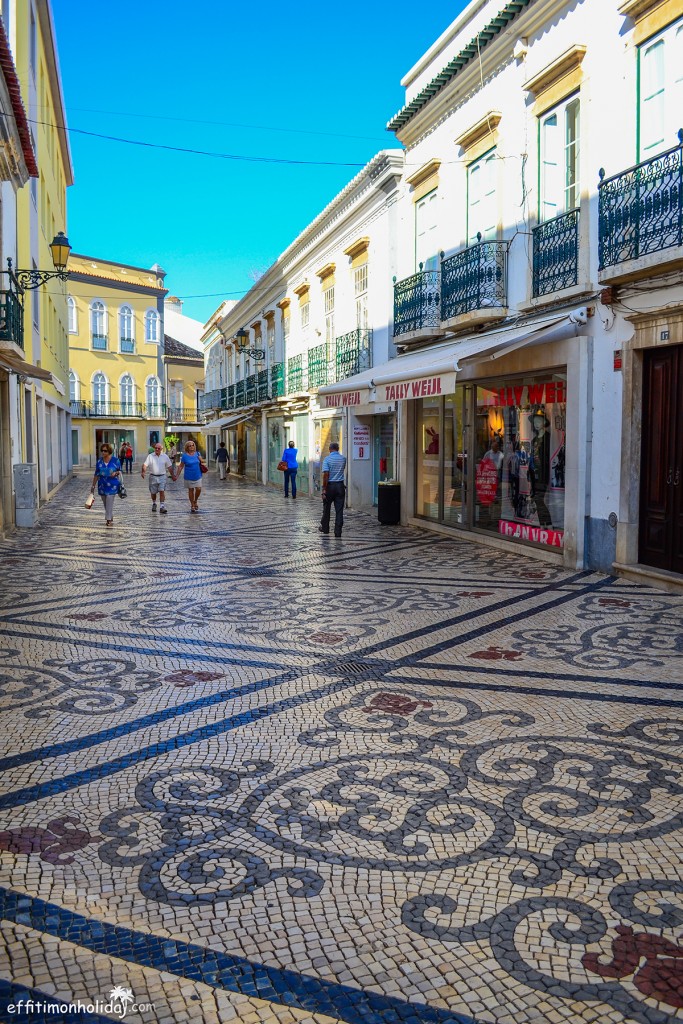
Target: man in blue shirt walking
[[334, 491]]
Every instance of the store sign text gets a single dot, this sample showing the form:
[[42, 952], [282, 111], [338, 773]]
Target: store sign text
[[413, 389], [347, 398], [536, 534], [536, 394]]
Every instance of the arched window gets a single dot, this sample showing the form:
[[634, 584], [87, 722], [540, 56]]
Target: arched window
[[152, 326], [74, 387], [127, 391], [72, 314], [153, 396], [99, 394], [126, 335], [98, 324]]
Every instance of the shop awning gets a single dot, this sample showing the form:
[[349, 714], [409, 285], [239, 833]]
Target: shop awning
[[216, 426], [432, 370], [14, 364]]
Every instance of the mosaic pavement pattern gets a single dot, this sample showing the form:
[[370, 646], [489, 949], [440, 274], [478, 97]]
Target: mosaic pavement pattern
[[254, 774]]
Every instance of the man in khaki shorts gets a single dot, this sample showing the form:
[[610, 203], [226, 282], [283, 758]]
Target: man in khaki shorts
[[157, 462]]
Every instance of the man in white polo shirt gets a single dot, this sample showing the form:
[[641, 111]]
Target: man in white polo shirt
[[157, 462]]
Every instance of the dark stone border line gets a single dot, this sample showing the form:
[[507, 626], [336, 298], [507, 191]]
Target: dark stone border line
[[572, 677], [220, 970]]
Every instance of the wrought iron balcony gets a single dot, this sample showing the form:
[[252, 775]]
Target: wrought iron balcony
[[115, 410], [184, 416], [262, 389], [78, 408], [417, 302], [250, 390], [319, 366], [240, 394], [475, 278], [126, 345], [99, 341], [277, 380], [210, 400], [155, 411], [556, 253], [295, 374], [640, 211], [354, 353], [11, 318]]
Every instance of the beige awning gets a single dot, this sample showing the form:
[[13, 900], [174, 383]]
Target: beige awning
[[14, 364], [216, 426], [433, 370]]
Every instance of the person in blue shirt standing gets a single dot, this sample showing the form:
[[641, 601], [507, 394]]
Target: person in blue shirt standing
[[334, 491], [289, 456]]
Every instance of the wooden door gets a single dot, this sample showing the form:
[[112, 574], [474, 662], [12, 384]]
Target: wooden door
[[661, 468]]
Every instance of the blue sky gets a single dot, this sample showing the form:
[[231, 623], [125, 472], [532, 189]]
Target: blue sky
[[300, 83]]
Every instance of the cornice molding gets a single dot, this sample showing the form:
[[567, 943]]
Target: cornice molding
[[423, 173], [358, 247], [484, 128], [567, 62], [326, 271]]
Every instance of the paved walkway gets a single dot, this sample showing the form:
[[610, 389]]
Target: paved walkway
[[254, 774]]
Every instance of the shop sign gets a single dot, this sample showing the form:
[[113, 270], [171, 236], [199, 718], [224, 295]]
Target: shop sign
[[486, 481], [361, 441], [345, 398], [522, 395], [423, 387], [537, 534]]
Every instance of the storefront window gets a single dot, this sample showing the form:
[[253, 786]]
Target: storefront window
[[520, 460], [427, 496], [455, 460]]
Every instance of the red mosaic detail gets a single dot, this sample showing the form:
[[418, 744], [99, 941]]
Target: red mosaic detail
[[89, 616], [185, 677], [55, 844], [395, 704], [474, 593], [532, 575], [660, 977], [614, 602], [497, 654], [328, 638]]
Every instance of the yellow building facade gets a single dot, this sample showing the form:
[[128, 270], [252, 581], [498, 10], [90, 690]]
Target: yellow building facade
[[116, 333]]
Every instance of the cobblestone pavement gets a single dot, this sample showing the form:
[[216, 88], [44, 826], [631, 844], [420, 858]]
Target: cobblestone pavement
[[255, 774]]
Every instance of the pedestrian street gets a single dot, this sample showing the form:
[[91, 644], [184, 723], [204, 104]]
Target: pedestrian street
[[256, 774]]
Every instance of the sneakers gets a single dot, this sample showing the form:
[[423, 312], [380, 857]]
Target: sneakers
[[163, 510], [154, 506]]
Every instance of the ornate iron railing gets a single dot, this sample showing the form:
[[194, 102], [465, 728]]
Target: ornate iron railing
[[210, 400], [417, 302], [11, 318], [277, 380], [262, 389], [230, 397], [184, 416], [295, 374], [319, 366], [250, 390], [556, 253], [99, 341], [354, 353], [475, 278], [155, 411], [126, 345], [78, 408], [240, 394], [640, 211]]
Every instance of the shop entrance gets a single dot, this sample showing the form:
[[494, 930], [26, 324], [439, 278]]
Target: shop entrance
[[660, 533], [383, 455]]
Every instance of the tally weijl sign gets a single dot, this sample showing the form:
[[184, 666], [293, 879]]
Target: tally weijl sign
[[423, 387], [346, 398]]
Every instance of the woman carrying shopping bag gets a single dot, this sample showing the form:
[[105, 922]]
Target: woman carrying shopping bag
[[108, 479]]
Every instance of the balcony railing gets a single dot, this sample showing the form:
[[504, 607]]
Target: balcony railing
[[295, 374], [11, 318], [78, 408], [155, 411], [117, 410], [475, 278], [277, 380], [240, 394], [210, 400], [250, 390], [640, 211], [556, 254], [319, 366], [262, 389], [417, 302], [354, 353], [126, 345], [184, 416], [99, 341]]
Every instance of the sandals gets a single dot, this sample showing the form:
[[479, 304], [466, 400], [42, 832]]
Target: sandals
[[110, 522]]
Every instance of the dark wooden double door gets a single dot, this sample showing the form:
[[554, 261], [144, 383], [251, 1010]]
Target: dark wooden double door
[[660, 541]]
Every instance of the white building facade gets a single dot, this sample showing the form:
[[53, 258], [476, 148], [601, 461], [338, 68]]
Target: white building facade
[[317, 316]]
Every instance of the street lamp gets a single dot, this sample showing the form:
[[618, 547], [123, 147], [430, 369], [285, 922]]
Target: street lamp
[[25, 280], [242, 339]]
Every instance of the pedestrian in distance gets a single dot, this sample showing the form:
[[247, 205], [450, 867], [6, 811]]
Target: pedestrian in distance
[[108, 479], [222, 460], [129, 459], [289, 456], [122, 451], [333, 491], [157, 464], [191, 463]]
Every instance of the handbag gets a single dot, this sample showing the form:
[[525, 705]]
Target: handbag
[[282, 464], [204, 468], [123, 493], [89, 500]]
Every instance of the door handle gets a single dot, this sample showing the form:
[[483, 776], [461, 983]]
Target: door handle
[[677, 477], [669, 475]]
